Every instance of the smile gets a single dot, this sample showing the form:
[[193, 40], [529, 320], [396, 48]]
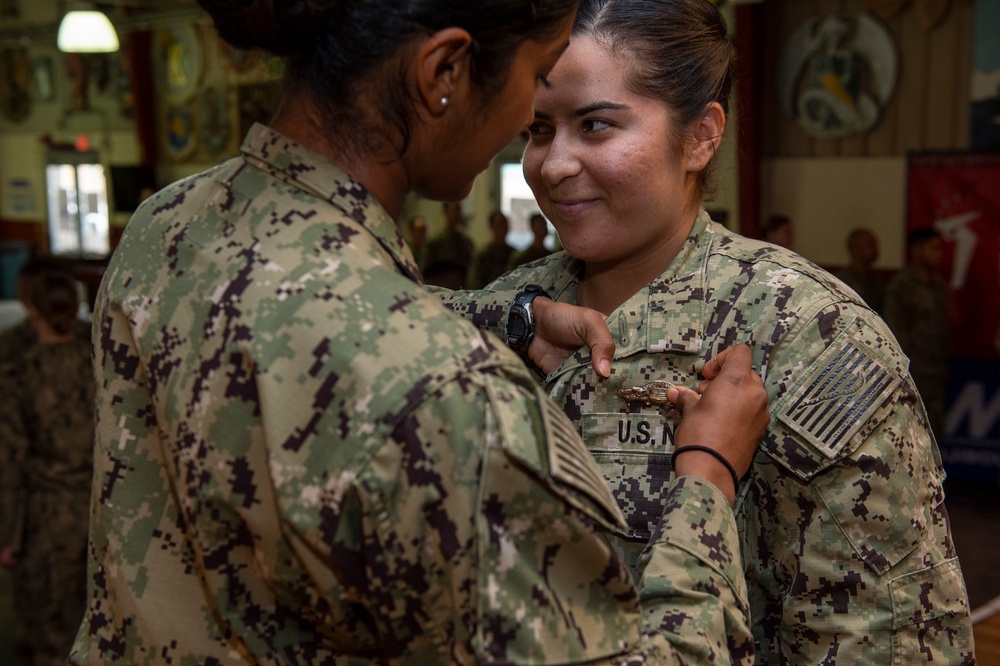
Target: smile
[[569, 208]]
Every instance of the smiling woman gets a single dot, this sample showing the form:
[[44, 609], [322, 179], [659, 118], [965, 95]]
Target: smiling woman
[[846, 545]]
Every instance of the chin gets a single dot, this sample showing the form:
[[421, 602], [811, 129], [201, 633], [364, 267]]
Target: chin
[[454, 191]]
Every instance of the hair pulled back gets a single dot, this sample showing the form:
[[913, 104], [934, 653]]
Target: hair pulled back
[[333, 47], [678, 52]]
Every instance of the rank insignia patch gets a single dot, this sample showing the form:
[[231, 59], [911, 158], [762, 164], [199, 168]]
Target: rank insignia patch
[[837, 396]]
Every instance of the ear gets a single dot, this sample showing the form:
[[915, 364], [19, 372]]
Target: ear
[[442, 64], [707, 136]]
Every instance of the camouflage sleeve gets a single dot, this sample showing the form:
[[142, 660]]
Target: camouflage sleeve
[[876, 578], [487, 310], [548, 588], [692, 589]]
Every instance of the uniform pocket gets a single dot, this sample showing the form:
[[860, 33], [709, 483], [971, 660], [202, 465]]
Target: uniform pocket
[[930, 617], [633, 453]]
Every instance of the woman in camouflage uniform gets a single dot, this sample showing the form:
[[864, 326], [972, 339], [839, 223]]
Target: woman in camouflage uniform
[[47, 437], [845, 538], [302, 457]]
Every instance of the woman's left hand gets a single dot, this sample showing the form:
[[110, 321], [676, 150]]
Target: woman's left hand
[[561, 329]]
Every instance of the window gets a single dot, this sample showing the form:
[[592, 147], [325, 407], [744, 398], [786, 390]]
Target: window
[[77, 196]]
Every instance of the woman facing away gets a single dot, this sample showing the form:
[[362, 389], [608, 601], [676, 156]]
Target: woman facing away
[[303, 458], [846, 543], [46, 448]]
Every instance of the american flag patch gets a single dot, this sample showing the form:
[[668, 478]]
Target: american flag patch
[[835, 399]]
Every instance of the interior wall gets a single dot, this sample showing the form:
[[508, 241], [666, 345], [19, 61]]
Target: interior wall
[[829, 186], [826, 198]]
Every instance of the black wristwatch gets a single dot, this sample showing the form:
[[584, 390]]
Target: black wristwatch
[[521, 320]]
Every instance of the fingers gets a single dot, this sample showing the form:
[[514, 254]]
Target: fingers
[[729, 417], [594, 331], [737, 355], [682, 397], [562, 328]]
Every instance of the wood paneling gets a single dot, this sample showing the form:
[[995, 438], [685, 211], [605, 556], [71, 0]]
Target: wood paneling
[[929, 109], [987, 635]]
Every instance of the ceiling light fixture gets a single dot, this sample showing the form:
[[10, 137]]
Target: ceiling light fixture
[[87, 31]]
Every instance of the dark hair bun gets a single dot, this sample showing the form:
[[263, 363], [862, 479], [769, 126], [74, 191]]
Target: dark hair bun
[[282, 27]]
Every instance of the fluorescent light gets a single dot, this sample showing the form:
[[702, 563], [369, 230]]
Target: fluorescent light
[[87, 32]]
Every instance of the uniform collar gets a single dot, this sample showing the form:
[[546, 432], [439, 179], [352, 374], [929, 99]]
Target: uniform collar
[[667, 315], [307, 170]]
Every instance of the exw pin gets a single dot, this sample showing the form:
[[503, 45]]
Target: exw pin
[[653, 393]]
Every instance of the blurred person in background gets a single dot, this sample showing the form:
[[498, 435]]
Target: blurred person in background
[[537, 249], [859, 274], [916, 309], [492, 260], [449, 254], [47, 435], [778, 230]]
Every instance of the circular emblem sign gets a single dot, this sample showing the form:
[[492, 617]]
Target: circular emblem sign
[[836, 74]]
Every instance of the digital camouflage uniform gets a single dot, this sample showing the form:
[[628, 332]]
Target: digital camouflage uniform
[[303, 458], [46, 446], [846, 543], [916, 309], [17, 339]]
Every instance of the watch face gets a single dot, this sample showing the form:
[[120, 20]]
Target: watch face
[[517, 327]]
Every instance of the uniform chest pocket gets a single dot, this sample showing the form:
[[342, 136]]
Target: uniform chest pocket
[[633, 452]]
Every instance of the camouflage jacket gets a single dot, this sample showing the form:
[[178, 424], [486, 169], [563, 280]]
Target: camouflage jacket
[[46, 437], [845, 538], [916, 309], [303, 458]]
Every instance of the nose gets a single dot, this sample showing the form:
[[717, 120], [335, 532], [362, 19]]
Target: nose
[[559, 161]]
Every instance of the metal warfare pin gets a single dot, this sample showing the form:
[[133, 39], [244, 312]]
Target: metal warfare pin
[[653, 393]]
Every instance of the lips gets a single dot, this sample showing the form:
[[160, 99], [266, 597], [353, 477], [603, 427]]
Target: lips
[[571, 207]]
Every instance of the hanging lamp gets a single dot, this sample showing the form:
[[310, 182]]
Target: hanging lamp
[[86, 31]]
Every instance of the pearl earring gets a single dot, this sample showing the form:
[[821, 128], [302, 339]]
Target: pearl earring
[[444, 101]]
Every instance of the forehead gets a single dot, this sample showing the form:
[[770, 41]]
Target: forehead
[[589, 68]]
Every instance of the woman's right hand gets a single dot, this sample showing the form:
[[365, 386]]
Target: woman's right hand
[[729, 416]]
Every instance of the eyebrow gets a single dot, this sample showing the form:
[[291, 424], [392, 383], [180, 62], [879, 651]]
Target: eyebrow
[[590, 108]]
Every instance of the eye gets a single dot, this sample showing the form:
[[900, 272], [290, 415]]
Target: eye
[[537, 129], [594, 125]]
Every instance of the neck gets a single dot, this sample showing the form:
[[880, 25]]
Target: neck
[[47, 335], [861, 268], [606, 285], [385, 179]]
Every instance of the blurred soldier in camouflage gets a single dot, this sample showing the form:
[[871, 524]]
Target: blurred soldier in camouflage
[[916, 309], [302, 457], [846, 542], [17, 339], [46, 444]]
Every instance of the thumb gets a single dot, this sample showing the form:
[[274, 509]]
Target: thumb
[[601, 355], [682, 397], [597, 336]]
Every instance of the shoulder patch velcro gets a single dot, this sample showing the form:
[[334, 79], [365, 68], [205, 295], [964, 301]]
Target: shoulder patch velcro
[[572, 464], [837, 396]]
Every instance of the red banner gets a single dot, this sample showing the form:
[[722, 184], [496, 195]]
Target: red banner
[[959, 195]]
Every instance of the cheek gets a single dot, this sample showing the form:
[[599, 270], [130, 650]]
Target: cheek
[[627, 173], [531, 166]]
